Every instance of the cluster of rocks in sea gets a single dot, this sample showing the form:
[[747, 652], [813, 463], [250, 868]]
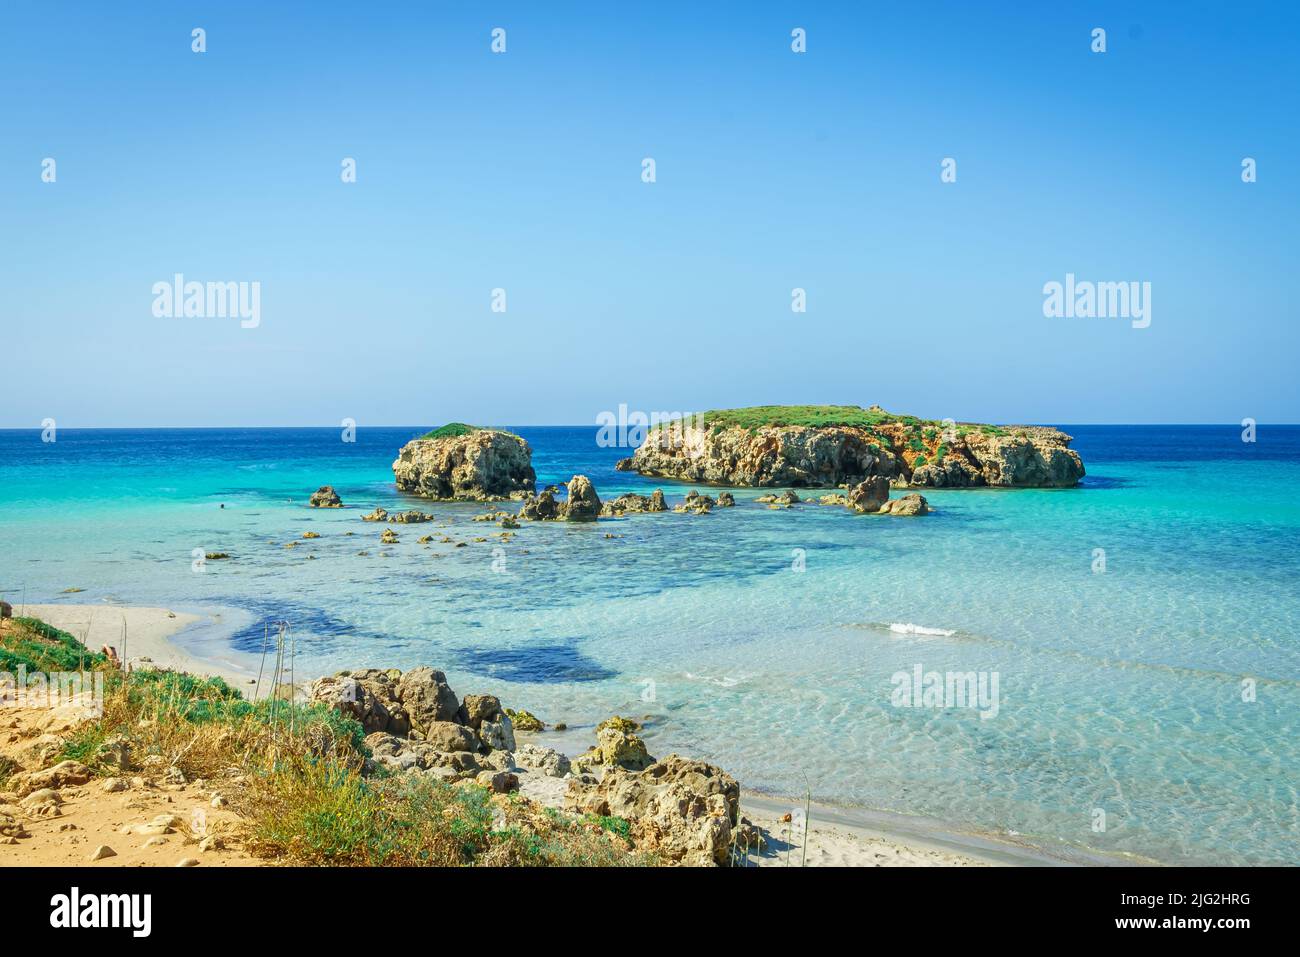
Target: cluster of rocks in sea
[[864, 463], [685, 812]]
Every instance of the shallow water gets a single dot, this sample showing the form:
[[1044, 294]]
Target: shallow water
[[1120, 691]]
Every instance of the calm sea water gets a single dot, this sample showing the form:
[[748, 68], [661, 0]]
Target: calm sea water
[[1120, 691]]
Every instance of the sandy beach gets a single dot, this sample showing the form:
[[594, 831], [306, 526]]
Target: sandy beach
[[149, 634]]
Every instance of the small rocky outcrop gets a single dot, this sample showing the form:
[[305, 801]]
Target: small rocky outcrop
[[325, 497], [378, 515], [410, 517], [869, 494], [726, 500], [581, 505], [525, 720], [540, 508], [631, 502], [696, 504], [479, 465], [617, 745], [911, 504]]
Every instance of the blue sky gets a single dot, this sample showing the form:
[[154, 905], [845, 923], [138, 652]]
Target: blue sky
[[522, 171]]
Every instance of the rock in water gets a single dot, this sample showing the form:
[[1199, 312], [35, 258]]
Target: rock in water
[[583, 505], [870, 494], [617, 745], [903, 449], [478, 465], [325, 497], [540, 508], [910, 504]]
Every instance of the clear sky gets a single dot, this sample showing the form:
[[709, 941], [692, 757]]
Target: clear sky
[[522, 171]]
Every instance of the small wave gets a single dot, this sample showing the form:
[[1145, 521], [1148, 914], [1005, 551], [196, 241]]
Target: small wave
[[726, 681], [908, 628]]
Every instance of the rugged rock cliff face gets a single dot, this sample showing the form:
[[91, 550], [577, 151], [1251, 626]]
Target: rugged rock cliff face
[[478, 465], [906, 452]]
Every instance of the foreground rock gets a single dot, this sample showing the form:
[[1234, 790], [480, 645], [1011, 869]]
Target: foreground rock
[[479, 465], [683, 810], [902, 449], [325, 497]]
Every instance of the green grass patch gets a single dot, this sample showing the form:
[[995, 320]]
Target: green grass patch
[[815, 416], [37, 646], [455, 429]]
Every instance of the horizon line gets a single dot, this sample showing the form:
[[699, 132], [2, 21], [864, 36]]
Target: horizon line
[[554, 425]]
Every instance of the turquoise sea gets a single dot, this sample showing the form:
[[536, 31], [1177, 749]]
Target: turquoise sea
[[1125, 691]]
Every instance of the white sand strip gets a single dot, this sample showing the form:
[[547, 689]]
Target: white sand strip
[[149, 634]]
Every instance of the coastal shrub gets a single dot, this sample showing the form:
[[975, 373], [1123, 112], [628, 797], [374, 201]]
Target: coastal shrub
[[37, 646], [916, 445], [451, 430], [456, 429], [317, 812], [203, 726], [323, 813], [919, 461], [615, 825], [755, 417]]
